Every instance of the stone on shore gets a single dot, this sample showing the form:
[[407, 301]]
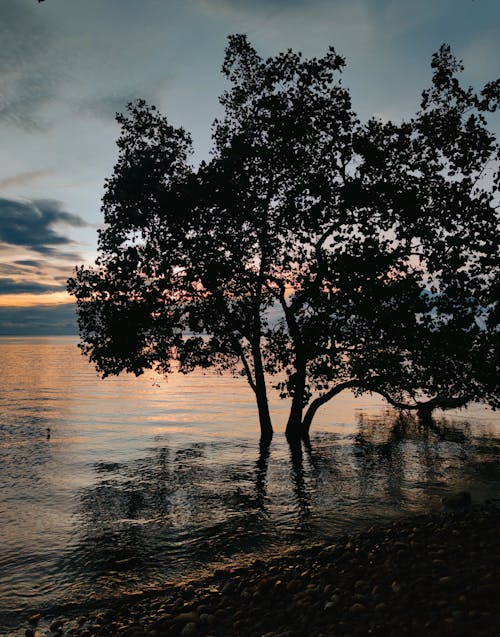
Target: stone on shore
[[433, 575]]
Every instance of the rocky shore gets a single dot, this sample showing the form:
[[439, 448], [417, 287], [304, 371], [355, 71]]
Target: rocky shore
[[425, 575]]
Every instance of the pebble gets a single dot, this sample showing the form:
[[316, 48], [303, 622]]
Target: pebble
[[57, 625], [34, 619], [446, 579], [412, 577], [357, 608], [189, 629]]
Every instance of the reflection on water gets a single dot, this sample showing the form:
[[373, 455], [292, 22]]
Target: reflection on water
[[138, 485]]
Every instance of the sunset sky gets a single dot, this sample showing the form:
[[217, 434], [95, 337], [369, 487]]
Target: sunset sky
[[68, 65]]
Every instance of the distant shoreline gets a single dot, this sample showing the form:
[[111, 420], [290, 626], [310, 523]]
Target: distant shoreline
[[39, 320]]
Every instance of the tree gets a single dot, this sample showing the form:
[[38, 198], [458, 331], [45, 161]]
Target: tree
[[439, 183], [311, 249], [431, 186]]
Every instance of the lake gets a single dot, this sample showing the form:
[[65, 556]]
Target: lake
[[142, 481]]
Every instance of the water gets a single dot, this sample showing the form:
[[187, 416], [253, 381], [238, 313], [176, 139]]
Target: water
[[143, 481]]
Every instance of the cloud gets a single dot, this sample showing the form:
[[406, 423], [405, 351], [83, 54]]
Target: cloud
[[482, 52], [38, 320], [31, 225], [106, 106], [24, 178], [8, 269], [386, 15], [252, 4], [29, 75], [28, 299], [30, 263], [51, 274], [254, 11], [13, 286]]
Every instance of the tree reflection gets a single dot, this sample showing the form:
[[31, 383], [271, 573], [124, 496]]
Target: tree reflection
[[380, 459], [190, 506], [298, 476], [261, 467]]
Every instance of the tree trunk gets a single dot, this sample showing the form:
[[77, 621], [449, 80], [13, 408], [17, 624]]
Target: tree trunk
[[424, 414], [266, 427], [294, 424]]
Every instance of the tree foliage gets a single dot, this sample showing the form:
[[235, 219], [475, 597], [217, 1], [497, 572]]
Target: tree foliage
[[311, 251]]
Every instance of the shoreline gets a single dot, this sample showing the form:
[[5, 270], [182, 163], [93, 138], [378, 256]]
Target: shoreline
[[427, 574]]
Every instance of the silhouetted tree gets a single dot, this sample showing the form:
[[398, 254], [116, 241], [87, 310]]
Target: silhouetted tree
[[434, 182], [310, 248], [413, 306]]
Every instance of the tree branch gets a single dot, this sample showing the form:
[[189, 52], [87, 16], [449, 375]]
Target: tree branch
[[300, 298], [321, 400], [246, 366]]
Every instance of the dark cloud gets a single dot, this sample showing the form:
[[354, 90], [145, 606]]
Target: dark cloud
[[63, 279], [30, 263], [27, 267], [18, 276], [9, 269], [31, 225], [39, 320], [12, 286]]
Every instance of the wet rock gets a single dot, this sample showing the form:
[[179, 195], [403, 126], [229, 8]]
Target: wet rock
[[220, 614], [357, 608], [57, 625], [206, 618], [245, 594], [131, 631], [189, 630], [185, 618], [188, 592], [446, 580], [458, 500], [228, 588], [34, 619], [219, 573], [293, 586], [447, 583]]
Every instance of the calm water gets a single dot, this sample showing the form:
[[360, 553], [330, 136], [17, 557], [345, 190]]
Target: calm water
[[144, 481]]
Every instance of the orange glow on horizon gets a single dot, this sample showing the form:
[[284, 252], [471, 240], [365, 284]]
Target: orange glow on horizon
[[30, 300]]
